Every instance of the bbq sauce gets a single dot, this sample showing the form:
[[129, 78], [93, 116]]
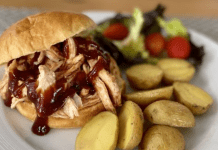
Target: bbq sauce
[[63, 47], [52, 99], [40, 126], [16, 75], [90, 49]]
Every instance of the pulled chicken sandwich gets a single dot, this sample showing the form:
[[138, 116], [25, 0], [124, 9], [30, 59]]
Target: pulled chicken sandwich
[[55, 76]]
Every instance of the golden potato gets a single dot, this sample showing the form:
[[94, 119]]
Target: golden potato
[[130, 126], [196, 99], [176, 70], [144, 76], [144, 98], [100, 133], [170, 113], [160, 137]]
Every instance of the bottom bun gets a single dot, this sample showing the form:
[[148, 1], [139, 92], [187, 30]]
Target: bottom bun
[[28, 110]]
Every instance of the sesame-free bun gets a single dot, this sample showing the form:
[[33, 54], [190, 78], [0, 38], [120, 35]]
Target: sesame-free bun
[[39, 32]]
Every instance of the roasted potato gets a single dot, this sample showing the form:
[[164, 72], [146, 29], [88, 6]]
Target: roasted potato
[[100, 133], [144, 76], [176, 70], [144, 98], [170, 113], [160, 137], [130, 126], [196, 99]]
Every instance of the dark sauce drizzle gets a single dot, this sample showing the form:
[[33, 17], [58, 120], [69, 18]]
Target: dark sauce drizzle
[[53, 98]]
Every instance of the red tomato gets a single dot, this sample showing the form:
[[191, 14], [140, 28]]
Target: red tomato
[[178, 47], [116, 31], [155, 43]]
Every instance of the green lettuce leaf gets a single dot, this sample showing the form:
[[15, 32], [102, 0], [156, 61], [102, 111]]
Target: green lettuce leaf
[[173, 28], [133, 45]]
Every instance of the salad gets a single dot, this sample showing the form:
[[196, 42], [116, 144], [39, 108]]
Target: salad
[[147, 37]]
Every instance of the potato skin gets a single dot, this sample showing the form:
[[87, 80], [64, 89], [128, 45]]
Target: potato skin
[[196, 99], [176, 70], [170, 113], [144, 98], [160, 137], [101, 132], [131, 126], [144, 76]]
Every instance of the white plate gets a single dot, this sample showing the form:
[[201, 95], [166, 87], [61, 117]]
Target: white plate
[[15, 130]]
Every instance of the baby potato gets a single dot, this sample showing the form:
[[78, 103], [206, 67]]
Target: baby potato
[[196, 99], [100, 133], [176, 70], [160, 137], [144, 98], [144, 76], [170, 113], [130, 126]]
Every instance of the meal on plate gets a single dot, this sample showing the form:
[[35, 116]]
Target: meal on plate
[[62, 72], [56, 76]]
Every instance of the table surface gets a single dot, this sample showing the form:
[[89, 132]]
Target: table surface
[[200, 8], [200, 15]]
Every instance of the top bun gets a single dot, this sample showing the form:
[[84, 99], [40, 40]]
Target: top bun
[[39, 32]]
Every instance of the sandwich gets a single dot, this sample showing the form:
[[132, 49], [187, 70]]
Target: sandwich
[[56, 75]]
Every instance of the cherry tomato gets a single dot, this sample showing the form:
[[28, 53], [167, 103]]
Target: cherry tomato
[[155, 43], [116, 31], [178, 47]]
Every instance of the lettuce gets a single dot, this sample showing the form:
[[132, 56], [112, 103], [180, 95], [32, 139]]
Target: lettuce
[[173, 28], [133, 44]]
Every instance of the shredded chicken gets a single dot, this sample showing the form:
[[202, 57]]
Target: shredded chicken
[[74, 64], [86, 68], [92, 63], [90, 100], [40, 58], [5, 80], [103, 94], [112, 85], [29, 58], [46, 78], [72, 48], [60, 114], [114, 70], [70, 108], [53, 66], [53, 54], [56, 67], [15, 101], [71, 68], [84, 92], [21, 67], [78, 100]]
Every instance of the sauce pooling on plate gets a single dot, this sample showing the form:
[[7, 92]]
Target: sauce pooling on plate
[[53, 98]]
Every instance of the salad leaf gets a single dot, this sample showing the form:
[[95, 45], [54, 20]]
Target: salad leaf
[[173, 28], [150, 24], [134, 43], [102, 27], [196, 55]]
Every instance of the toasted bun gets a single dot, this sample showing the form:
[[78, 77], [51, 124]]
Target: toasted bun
[[28, 110], [39, 32]]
